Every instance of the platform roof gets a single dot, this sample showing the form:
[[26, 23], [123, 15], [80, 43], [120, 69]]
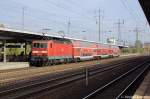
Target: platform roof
[[10, 34], [13, 34], [146, 8]]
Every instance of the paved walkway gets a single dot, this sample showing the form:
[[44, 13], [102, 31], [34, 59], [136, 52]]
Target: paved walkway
[[13, 65], [143, 92]]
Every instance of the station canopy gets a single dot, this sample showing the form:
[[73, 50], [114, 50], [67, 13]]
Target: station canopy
[[146, 8], [19, 35]]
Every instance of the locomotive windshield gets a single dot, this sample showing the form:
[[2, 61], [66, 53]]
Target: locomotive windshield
[[40, 45]]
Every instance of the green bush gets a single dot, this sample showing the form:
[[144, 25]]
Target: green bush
[[132, 50]]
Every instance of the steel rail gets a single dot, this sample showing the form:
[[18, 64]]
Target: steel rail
[[45, 73], [113, 81], [81, 74], [133, 82]]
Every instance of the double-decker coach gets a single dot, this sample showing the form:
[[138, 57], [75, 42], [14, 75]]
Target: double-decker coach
[[84, 50]]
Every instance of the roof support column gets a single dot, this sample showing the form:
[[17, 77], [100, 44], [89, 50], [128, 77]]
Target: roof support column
[[4, 52], [26, 56], [25, 48]]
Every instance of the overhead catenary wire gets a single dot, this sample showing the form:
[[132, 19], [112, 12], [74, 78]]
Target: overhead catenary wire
[[76, 5], [66, 9], [57, 16], [42, 19], [129, 11]]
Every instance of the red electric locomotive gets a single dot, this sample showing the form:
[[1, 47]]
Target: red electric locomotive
[[48, 52]]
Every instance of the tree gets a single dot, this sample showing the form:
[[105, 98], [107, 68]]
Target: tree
[[139, 46]]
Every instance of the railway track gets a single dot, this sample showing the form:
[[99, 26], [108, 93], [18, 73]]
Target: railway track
[[26, 68], [118, 88], [18, 74], [91, 61], [48, 83]]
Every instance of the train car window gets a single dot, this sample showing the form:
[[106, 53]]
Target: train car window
[[85, 44], [95, 50], [78, 49], [36, 45], [40, 45], [43, 45]]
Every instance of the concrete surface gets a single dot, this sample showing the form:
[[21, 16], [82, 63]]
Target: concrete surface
[[143, 92], [13, 65]]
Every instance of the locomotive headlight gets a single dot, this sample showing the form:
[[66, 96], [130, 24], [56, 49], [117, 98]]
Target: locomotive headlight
[[35, 52], [43, 51]]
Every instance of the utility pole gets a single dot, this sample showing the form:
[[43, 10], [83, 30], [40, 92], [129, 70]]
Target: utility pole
[[137, 34], [119, 30], [99, 25], [68, 28], [137, 39], [23, 10], [98, 22], [137, 42]]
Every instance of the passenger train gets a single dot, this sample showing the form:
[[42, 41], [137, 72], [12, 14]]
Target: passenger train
[[63, 50]]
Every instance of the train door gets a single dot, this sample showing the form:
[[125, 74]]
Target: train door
[[50, 49]]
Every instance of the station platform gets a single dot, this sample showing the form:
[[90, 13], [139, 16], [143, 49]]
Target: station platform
[[13, 65], [124, 55], [143, 92]]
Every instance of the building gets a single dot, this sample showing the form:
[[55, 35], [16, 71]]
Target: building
[[146, 47]]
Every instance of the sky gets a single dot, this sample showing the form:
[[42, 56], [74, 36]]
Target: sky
[[55, 15]]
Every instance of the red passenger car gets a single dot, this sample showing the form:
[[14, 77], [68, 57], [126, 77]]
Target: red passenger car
[[83, 50]]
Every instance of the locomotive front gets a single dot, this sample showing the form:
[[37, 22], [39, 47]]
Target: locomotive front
[[39, 53]]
